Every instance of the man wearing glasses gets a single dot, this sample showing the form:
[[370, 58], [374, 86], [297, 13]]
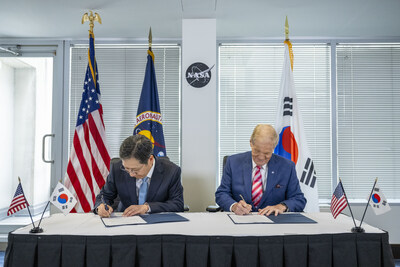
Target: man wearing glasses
[[144, 183]]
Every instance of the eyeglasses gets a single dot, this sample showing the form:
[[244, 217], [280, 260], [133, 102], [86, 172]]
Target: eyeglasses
[[131, 171]]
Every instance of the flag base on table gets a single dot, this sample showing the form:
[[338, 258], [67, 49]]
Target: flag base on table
[[357, 229], [36, 230]]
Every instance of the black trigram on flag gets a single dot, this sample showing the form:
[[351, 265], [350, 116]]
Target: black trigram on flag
[[287, 106], [308, 176]]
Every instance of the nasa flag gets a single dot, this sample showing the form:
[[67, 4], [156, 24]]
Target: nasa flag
[[292, 140], [63, 199], [378, 201], [148, 118]]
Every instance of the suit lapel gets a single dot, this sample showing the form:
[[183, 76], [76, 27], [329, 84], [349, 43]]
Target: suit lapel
[[156, 180], [130, 185], [247, 181]]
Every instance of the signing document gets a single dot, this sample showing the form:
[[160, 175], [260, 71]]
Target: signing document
[[116, 219]]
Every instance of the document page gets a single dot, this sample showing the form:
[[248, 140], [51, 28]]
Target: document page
[[117, 219], [251, 218]]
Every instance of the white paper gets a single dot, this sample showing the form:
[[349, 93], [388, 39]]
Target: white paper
[[251, 218], [117, 219]]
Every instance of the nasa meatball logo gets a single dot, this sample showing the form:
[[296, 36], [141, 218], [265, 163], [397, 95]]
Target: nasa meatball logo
[[198, 74]]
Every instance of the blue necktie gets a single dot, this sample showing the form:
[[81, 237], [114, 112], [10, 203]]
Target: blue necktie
[[143, 191]]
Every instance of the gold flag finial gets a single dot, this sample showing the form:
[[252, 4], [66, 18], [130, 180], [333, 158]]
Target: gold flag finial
[[150, 39], [19, 179], [286, 29], [91, 18]]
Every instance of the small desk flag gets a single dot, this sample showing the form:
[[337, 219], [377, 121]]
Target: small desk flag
[[63, 199], [18, 202], [378, 201], [338, 201], [149, 119], [292, 140]]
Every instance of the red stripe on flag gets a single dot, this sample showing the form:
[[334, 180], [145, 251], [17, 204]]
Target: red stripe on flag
[[99, 142], [77, 187]]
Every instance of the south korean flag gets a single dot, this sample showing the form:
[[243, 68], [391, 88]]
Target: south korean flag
[[63, 199], [378, 201]]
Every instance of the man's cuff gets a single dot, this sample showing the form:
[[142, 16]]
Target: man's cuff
[[230, 208], [147, 204], [284, 204]]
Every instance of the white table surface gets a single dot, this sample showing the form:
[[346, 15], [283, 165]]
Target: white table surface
[[199, 224]]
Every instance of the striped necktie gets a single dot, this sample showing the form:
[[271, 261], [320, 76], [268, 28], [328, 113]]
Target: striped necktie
[[257, 190]]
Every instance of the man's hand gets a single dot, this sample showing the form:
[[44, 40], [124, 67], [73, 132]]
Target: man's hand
[[277, 209], [241, 208], [102, 212], [135, 210]]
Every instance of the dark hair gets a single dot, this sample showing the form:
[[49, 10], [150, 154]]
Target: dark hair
[[138, 147]]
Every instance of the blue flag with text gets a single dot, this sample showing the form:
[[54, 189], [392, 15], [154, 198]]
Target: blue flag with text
[[148, 118]]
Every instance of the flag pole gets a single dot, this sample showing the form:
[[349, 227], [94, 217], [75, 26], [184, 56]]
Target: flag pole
[[355, 229], [370, 195], [150, 39], [48, 202], [30, 215]]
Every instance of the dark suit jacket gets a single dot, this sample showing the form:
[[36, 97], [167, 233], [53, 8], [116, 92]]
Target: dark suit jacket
[[165, 192], [282, 183]]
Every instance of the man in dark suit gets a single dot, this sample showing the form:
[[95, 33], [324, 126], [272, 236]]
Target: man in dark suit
[[259, 180], [144, 183]]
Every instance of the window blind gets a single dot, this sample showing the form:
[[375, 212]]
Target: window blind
[[121, 74], [249, 83], [368, 88]]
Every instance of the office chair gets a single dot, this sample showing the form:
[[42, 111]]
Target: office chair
[[216, 208]]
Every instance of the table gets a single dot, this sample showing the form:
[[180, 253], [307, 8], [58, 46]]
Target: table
[[207, 239]]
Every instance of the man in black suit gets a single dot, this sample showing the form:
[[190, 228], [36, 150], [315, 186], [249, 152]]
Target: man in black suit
[[144, 183]]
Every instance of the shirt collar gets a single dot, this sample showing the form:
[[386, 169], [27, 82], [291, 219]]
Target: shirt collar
[[254, 165], [152, 169]]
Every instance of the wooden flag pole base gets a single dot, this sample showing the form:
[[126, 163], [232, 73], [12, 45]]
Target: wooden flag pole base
[[36, 230], [357, 229]]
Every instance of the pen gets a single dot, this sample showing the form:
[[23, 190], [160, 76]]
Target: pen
[[244, 201]]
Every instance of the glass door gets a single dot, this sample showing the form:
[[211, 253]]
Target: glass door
[[26, 86]]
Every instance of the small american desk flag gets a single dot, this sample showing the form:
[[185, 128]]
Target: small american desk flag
[[338, 202], [19, 201]]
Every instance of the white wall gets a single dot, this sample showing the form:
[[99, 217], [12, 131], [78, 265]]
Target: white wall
[[6, 134], [199, 115]]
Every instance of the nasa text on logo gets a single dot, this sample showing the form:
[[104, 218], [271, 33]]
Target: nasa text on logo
[[198, 74]]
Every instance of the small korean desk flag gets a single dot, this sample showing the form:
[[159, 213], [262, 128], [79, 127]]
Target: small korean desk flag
[[292, 140], [63, 199], [378, 201]]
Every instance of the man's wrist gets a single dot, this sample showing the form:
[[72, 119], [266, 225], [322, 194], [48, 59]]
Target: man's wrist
[[147, 206], [286, 207]]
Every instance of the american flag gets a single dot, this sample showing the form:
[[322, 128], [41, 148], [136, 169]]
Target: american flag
[[89, 161], [338, 202], [19, 201]]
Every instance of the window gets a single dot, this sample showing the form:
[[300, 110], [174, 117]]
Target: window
[[249, 82], [121, 74], [368, 89]]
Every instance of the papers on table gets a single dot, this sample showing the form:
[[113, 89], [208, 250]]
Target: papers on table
[[284, 218], [251, 218], [117, 219]]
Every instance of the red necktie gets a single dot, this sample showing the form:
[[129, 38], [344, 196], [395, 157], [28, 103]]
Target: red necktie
[[257, 190]]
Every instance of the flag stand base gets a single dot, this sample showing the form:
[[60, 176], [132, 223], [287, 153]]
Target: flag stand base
[[357, 229], [36, 230]]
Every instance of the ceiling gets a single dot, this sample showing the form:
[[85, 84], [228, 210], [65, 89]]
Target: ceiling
[[236, 19]]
